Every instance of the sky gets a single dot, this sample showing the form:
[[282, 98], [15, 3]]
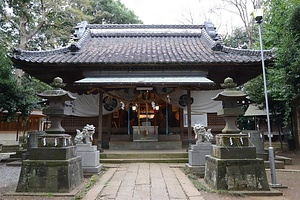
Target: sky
[[184, 12]]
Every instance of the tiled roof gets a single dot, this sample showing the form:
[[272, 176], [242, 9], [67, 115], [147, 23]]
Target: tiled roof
[[144, 44]]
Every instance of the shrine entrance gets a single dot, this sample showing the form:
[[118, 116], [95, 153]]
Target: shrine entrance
[[122, 67], [146, 111], [147, 98]]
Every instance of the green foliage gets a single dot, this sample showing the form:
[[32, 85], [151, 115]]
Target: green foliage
[[237, 38], [240, 39], [280, 30], [17, 94], [278, 94], [7, 86], [283, 32], [35, 24], [112, 12], [93, 180]]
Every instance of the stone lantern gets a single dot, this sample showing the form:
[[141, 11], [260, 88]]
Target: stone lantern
[[229, 97], [53, 165], [232, 164], [56, 99]]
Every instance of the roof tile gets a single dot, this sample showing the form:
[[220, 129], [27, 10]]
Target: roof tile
[[116, 44]]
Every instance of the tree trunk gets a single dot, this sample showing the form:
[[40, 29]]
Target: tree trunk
[[279, 135], [23, 41]]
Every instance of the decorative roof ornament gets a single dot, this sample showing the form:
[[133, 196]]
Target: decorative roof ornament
[[57, 83], [211, 30], [228, 83], [214, 40], [74, 47], [79, 30], [230, 92]]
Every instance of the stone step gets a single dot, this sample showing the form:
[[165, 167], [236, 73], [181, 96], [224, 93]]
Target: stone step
[[145, 145], [278, 164], [145, 160], [150, 155], [10, 148], [154, 156], [16, 163], [276, 145], [285, 160]]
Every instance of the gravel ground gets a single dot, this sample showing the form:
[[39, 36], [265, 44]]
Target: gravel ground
[[8, 176], [290, 177]]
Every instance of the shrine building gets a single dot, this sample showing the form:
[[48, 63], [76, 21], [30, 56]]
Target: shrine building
[[154, 82]]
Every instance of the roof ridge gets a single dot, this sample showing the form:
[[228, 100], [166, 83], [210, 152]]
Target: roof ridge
[[78, 44], [73, 47], [95, 34], [249, 52], [144, 26], [211, 37], [215, 42], [21, 52]]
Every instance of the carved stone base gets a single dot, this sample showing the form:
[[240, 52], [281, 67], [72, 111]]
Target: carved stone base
[[197, 170], [198, 152], [233, 165], [50, 176], [90, 158], [236, 174]]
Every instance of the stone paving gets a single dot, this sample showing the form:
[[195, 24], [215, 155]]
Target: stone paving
[[144, 181]]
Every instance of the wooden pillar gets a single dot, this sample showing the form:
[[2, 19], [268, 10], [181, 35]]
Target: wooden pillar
[[189, 117], [128, 120], [167, 118], [99, 146], [181, 119]]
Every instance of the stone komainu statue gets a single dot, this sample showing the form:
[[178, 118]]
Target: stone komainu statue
[[201, 134], [86, 135]]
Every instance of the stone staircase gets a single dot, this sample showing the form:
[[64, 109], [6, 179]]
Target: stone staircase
[[165, 156], [280, 162], [151, 156]]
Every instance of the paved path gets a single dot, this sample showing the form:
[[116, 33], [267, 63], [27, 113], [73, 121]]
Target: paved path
[[145, 181]]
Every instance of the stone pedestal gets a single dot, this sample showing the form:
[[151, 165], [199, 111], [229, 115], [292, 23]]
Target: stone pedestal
[[52, 167], [33, 139], [197, 155], [90, 158], [233, 165], [230, 117], [256, 139], [198, 152]]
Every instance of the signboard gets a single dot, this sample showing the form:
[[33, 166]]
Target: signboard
[[196, 118]]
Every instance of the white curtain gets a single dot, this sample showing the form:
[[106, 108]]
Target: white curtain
[[202, 103], [88, 105]]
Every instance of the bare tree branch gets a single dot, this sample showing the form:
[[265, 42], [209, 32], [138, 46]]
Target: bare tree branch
[[40, 25]]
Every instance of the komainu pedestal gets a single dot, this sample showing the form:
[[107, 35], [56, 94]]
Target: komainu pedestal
[[197, 155], [198, 151], [233, 165], [88, 152], [90, 158]]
